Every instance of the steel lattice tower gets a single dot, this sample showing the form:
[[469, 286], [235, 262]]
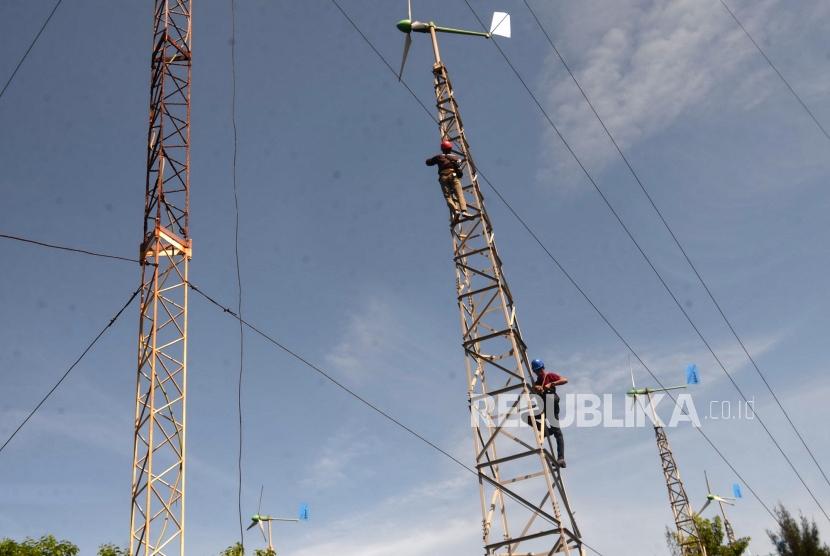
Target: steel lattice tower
[[687, 534], [522, 493], [730, 533], [158, 486]]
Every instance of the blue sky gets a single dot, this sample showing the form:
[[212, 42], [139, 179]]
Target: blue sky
[[345, 257]]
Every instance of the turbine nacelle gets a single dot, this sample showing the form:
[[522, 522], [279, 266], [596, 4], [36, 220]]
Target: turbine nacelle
[[638, 392], [408, 26]]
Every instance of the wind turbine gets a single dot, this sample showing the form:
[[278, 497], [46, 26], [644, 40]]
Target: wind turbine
[[500, 26], [647, 392], [688, 537], [258, 519], [721, 500]]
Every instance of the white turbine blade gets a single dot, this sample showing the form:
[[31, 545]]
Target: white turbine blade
[[500, 25], [705, 476], [252, 525], [409, 8], [406, 44], [632, 377], [634, 402], [706, 505], [262, 529], [259, 507]]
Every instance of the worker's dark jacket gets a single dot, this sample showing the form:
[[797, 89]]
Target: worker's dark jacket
[[448, 165]]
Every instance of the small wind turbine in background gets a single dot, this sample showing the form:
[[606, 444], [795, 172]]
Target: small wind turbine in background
[[500, 26], [258, 519], [691, 378], [688, 536], [721, 500]]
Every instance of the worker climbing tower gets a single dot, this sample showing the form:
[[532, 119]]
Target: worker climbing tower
[[524, 505], [158, 486], [687, 534]]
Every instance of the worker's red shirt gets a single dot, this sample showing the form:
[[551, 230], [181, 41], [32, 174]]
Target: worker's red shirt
[[546, 379]]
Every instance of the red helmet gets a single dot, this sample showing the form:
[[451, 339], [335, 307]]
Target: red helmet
[[446, 145]]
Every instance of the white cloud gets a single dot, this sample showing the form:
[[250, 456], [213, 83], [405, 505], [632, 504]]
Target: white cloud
[[646, 71], [84, 427], [404, 538], [337, 454], [366, 335], [383, 333], [373, 334], [609, 372], [96, 425], [422, 520]]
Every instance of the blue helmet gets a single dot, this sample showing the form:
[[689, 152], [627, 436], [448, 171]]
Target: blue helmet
[[537, 365]]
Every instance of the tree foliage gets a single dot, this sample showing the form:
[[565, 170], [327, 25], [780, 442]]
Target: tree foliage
[[237, 550], [712, 533], [46, 545], [796, 538], [233, 550], [112, 550]]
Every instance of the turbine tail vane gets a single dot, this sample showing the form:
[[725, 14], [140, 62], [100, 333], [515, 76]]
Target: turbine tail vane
[[500, 26], [692, 376]]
